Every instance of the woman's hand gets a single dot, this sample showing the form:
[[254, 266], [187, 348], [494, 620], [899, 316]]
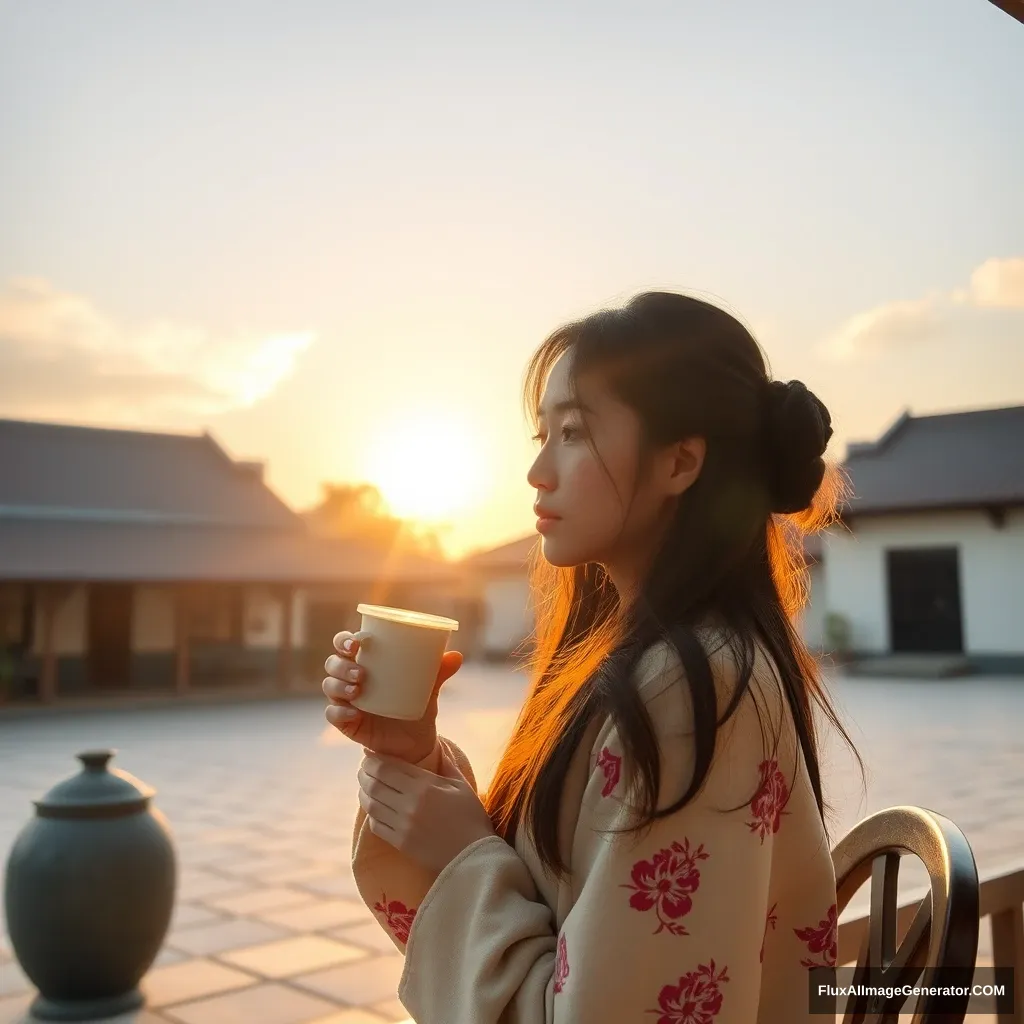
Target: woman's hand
[[430, 818], [410, 741]]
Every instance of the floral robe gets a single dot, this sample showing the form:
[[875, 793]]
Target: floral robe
[[711, 916]]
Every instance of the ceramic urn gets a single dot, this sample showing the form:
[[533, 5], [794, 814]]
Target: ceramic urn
[[90, 891]]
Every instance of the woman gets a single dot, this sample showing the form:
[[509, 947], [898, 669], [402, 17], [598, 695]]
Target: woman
[[653, 845]]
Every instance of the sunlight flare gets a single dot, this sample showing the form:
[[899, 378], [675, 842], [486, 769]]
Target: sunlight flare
[[428, 467]]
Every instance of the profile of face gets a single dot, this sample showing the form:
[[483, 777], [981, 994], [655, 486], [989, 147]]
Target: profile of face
[[583, 507]]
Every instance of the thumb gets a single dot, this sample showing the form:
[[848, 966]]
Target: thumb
[[451, 662]]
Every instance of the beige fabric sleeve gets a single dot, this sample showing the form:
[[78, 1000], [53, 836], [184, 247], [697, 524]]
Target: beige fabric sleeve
[[389, 883], [666, 924]]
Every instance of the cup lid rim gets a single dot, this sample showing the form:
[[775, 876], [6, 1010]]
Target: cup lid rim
[[407, 616]]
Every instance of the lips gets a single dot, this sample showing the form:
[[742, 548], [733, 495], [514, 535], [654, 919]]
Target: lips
[[542, 513]]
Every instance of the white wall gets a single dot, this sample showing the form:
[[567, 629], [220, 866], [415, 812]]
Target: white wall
[[991, 575], [811, 621], [263, 618], [153, 619], [509, 613], [69, 627], [153, 627]]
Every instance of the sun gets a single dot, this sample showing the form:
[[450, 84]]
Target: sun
[[427, 467]]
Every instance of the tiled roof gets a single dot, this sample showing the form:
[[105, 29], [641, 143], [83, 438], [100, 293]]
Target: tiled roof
[[60, 471], [954, 460]]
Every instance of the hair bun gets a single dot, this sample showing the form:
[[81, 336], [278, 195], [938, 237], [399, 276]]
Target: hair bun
[[798, 430]]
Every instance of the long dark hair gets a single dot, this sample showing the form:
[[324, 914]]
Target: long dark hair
[[733, 551]]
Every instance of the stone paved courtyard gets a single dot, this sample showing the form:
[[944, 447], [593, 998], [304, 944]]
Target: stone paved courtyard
[[261, 797]]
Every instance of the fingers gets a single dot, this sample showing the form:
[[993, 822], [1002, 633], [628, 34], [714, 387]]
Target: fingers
[[340, 641], [345, 718], [344, 679], [383, 820]]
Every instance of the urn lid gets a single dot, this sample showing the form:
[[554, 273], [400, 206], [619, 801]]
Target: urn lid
[[96, 791]]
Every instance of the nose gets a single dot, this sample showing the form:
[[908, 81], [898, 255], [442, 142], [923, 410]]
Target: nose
[[539, 476]]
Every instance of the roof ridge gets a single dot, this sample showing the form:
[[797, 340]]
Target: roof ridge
[[857, 448], [958, 414], [92, 428]]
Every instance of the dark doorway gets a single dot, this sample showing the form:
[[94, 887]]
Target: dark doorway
[[110, 635], [924, 601]]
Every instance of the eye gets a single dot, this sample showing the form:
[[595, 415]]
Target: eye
[[567, 433]]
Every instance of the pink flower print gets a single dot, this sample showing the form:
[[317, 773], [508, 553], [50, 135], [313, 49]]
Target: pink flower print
[[399, 916], [697, 999], [666, 882], [770, 921], [822, 941], [611, 765], [769, 800], [561, 965]]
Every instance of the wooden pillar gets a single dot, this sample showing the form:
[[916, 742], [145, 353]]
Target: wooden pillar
[[48, 604], [285, 660], [183, 656]]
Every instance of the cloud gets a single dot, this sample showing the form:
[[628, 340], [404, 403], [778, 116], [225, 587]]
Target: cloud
[[62, 357], [995, 284], [896, 324]]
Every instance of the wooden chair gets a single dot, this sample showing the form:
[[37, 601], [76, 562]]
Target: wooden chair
[[943, 935]]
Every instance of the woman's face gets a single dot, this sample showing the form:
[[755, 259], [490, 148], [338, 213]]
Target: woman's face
[[591, 524]]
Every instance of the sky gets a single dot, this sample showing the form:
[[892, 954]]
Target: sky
[[331, 234]]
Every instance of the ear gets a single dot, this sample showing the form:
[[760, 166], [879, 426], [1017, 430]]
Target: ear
[[684, 461]]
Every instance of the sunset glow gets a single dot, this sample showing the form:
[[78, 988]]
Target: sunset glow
[[428, 467]]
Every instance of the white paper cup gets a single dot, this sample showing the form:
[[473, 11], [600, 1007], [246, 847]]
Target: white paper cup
[[400, 652]]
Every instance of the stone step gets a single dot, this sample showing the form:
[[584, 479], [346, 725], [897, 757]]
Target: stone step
[[912, 666]]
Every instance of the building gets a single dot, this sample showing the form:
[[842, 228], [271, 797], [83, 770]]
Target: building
[[134, 560], [927, 560], [500, 577], [930, 558]]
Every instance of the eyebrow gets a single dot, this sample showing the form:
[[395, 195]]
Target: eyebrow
[[565, 405]]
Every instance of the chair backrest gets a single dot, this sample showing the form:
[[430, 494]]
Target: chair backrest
[[942, 940]]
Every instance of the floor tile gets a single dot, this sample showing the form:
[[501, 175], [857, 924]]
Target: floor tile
[[260, 899], [289, 957], [283, 844], [13, 981], [354, 1016], [195, 855], [218, 938], [14, 1009], [258, 867], [200, 884], [318, 916], [140, 1016], [168, 956], [261, 1004], [192, 979], [359, 984], [188, 914], [230, 836], [340, 883], [300, 873], [393, 1011], [369, 935]]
